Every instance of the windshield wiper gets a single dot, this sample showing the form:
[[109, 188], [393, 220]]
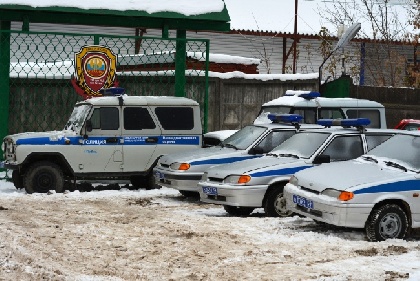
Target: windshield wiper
[[396, 165], [368, 158], [289, 155], [272, 154], [230, 146]]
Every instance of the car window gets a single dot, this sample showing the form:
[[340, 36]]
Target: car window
[[372, 114], [175, 118], [273, 139], [243, 138], [105, 118], [344, 148], [373, 140], [412, 127], [302, 144], [137, 118]]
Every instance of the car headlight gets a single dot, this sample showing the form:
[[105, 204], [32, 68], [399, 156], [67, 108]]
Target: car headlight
[[338, 194], [237, 179], [180, 166], [293, 180]]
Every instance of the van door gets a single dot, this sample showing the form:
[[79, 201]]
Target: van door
[[101, 151], [140, 138]]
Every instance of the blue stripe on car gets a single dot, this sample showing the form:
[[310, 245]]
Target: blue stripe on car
[[408, 185], [279, 172], [223, 160]]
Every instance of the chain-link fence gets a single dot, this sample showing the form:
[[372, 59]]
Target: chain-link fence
[[42, 65]]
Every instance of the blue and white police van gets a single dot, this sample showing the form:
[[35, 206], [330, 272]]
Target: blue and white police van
[[116, 137], [378, 192], [182, 171], [241, 187]]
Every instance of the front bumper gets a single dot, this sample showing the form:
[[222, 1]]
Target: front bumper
[[327, 209], [9, 166], [177, 180], [234, 195]]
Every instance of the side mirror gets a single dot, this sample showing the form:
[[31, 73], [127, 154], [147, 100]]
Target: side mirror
[[89, 125], [323, 158], [256, 150]]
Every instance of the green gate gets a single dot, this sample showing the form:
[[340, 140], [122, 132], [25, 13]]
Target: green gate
[[38, 94]]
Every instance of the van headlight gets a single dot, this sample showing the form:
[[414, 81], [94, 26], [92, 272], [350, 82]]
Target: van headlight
[[237, 179]]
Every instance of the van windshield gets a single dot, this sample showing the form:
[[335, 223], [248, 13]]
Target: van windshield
[[77, 117]]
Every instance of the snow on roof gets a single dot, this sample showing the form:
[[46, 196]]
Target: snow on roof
[[142, 100], [337, 102], [185, 7]]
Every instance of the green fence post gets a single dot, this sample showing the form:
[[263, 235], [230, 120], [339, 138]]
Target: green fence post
[[180, 63], [4, 78], [206, 88]]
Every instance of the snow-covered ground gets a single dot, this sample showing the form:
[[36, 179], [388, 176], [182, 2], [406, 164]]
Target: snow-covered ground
[[160, 235]]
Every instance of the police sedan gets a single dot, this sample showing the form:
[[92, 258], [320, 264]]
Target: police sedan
[[242, 187], [183, 170], [378, 192]]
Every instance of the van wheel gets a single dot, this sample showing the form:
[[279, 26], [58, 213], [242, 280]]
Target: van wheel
[[275, 203], [387, 222], [147, 181], [17, 179], [43, 177], [238, 211]]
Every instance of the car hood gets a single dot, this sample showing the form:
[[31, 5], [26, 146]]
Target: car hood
[[203, 155], [42, 137], [254, 166], [349, 175]]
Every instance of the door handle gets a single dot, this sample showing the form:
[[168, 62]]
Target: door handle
[[152, 140], [111, 140]]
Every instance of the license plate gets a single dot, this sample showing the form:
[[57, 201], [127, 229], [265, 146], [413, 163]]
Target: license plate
[[302, 201], [159, 175], [209, 190]]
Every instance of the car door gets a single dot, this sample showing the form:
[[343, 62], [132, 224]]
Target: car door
[[140, 138], [101, 150]]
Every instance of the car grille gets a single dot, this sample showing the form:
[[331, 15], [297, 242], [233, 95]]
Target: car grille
[[309, 190], [216, 197], [215, 179]]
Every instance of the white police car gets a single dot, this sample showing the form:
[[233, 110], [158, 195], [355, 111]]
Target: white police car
[[183, 170], [379, 191], [242, 187]]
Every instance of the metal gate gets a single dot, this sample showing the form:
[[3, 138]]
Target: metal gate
[[41, 96]]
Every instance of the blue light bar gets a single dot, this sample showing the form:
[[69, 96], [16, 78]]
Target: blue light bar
[[285, 118], [310, 95], [344, 122], [113, 91]]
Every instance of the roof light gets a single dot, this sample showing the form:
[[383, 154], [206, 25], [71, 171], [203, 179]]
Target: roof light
[[358, 122], [285, 118], [303, 94], [113, 91]]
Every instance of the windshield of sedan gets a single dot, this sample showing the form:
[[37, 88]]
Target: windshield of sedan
[[400, 149], [302, 145], [243, 138], [77, 117]]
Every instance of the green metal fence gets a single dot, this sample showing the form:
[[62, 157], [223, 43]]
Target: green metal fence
[[38, 94]]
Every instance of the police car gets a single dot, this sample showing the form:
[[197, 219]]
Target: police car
[[378, 192], [242, 187], [182, 171]]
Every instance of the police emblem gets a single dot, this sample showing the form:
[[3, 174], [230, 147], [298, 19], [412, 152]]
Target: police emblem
[[95, 69]]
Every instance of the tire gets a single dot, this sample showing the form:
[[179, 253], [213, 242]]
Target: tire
[[238, 211], [387, 222], [17, 179], [275, 203], [43, 177], [187, 193], [147, 182]]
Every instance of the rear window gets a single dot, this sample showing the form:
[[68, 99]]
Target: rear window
[[175, 118]]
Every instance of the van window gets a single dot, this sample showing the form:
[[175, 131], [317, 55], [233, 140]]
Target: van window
[[330, 113], [137, 118], [105, 118], [308, 114], [175, 118], [372, 114]]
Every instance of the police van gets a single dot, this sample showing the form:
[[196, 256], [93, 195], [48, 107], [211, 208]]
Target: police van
[[312, 107], [378, 192], [116, 137]]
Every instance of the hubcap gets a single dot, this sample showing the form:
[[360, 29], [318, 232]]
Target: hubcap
[[390, 226], [44, 182], [280, 206]]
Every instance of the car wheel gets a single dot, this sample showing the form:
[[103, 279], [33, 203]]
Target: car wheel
[[238, 211], [17, 179], [187, 193], [387, 222], [43, 177], [275, 203], [147, 182]]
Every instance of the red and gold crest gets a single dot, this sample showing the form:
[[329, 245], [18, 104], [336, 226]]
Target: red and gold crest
[[95, 69]]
